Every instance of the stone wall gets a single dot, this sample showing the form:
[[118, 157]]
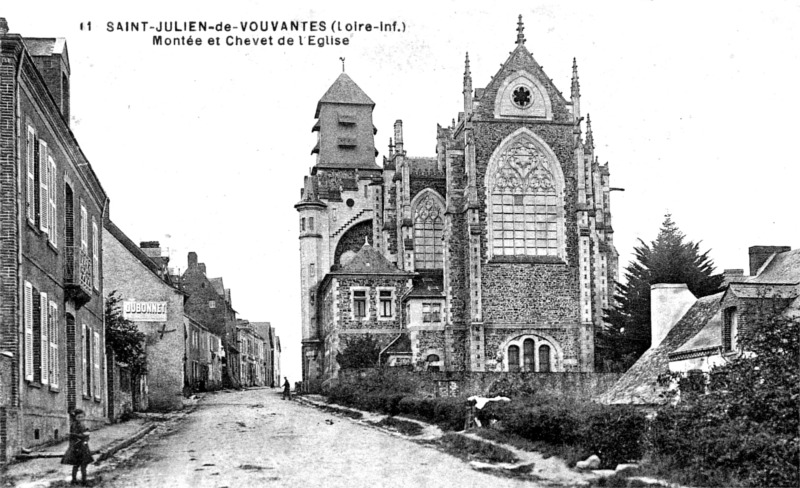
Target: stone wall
[[429, 384]]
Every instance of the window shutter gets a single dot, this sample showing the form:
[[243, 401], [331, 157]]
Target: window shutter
[[85, 356], [28, 331], [44, 198], [44, 350], [96, 351], [53, 335], [84, 228], [95, 256], [53, 192], [30, 162]]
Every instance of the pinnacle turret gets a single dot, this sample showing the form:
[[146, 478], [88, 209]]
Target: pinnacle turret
[[589, 136], [576, 86]]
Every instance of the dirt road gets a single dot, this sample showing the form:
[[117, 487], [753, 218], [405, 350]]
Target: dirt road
[[253, 438]]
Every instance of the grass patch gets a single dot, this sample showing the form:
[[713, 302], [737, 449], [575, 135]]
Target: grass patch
[[472, 450], [569, 454], [404, 427]]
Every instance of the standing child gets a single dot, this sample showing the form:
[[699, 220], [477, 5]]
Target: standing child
[[78, 453]]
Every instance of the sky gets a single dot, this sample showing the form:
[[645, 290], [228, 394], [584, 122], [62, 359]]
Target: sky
[[204, 148]]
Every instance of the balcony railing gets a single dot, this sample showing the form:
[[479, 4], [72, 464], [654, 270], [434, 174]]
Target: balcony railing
[[78, 274]]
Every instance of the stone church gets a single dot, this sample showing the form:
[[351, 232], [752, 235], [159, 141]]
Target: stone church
[[494, 254]]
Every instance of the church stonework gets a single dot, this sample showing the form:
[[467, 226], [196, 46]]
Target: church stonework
[[495, 254]]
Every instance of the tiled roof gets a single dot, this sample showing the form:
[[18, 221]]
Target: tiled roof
[[639, 385], [763, 290], [344, 90]]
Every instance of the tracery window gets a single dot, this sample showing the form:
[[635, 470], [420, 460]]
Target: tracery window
[[428, 232], [525, 202]]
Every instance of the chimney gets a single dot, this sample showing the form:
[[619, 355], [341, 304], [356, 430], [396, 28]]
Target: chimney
[[50, 57], [202, 267], [192, 260], [732, 276], [669, 302], [760, 254], [398, 137], [151, 248]]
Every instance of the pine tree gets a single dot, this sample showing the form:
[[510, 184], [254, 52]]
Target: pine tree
[[668, 259]]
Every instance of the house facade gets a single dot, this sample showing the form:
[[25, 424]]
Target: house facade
[[52, 340], [505, 231], [156, 306], [209, 303], [693, 335]]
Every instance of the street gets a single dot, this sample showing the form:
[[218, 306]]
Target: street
[[253, 438]]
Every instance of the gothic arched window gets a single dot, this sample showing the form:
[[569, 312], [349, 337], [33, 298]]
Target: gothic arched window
[[525, 194], [428, 232]]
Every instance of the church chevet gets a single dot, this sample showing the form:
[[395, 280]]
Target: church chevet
[[495, 254]]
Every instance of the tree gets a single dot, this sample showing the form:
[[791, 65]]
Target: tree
[[668, 259], [123, 337], [362, 352]]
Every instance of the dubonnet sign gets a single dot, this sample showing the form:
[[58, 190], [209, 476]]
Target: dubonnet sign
[[144, 311]]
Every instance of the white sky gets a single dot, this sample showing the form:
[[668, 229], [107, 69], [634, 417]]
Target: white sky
[[694, 105]]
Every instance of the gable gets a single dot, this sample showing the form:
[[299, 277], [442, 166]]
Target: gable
[[521, 77]]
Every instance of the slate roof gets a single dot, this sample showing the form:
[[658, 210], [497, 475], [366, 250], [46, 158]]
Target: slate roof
[[136, 251], [400, 345], [344, 90], [369, 261], [218, 286], [782, 268], [638, 385], [427, 285], [709, 338]]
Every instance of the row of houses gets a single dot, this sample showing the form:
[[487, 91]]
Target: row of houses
[[61, 255]]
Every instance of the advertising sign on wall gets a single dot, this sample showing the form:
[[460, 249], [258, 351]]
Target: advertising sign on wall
[[144, 311]]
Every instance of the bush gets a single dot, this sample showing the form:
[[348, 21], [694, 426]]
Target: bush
[[744, 431], [614, 433]]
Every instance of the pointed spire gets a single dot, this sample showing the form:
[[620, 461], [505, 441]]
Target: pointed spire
[[589, 137], [576, 86], [520, 28], [467, 72]]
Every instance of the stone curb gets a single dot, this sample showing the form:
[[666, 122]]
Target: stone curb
[[107, 452], [104, 452]]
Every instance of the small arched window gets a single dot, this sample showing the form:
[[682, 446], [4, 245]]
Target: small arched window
[[527, 355], [544, 358], [428, 233], [513, 358]]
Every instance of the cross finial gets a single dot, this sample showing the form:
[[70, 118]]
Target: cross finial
[[520, 28], [342, 60]]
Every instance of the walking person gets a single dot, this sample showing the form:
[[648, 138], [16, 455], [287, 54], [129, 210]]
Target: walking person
[[287, 389], [78, 453]]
